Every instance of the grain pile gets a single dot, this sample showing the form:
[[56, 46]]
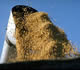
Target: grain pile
[[37, 38]]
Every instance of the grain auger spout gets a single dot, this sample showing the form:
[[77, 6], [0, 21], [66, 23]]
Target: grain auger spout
[[9, 47], [32, 36]]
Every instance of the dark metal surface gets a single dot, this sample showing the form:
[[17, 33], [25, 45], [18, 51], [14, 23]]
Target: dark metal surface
[[44, 65]]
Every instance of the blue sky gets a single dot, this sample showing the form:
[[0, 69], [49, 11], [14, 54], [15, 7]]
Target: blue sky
[[66, 13]]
